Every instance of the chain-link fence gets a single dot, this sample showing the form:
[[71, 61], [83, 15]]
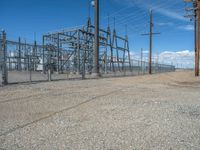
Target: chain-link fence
[[1, 81], [24, 63], [139, 68]]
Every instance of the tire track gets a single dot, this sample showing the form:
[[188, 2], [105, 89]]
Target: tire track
[[35, 96], [57, 112]]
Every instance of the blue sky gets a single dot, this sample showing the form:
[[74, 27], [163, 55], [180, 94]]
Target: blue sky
[[24, 17]]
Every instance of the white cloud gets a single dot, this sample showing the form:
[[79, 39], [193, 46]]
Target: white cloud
[[137, 56], [161, 10], [146, 52], [165, 23], [183, 58], [170, 13], [187, 27]]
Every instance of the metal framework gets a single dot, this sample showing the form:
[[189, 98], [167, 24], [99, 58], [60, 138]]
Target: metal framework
[[73, 50], [22, 56], [70, 52]]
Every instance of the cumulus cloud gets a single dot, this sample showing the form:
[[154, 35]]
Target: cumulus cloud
[[137, 56], [180, 59], [183, 58]]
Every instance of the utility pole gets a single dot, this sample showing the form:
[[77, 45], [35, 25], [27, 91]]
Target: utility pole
[[195, 42], [150, 40], [150, 44], [96, 41], [195, 15], [198, 42]]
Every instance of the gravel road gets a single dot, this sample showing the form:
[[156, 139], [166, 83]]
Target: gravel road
[[146, 112]]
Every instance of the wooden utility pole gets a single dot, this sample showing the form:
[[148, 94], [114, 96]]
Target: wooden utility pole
[[150, 41], [198, 42], [96, 41], [196, 16], [150, 44], [195, 42]]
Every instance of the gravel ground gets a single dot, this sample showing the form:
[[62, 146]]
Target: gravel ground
[[146, 112]]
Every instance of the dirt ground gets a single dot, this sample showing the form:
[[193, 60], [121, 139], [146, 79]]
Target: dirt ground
[[146, 112]]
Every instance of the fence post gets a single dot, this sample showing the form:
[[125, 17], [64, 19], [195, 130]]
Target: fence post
[[49, 71], [4, 68], [30, 67], [49, 74], [84, 61], [138, 67]]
